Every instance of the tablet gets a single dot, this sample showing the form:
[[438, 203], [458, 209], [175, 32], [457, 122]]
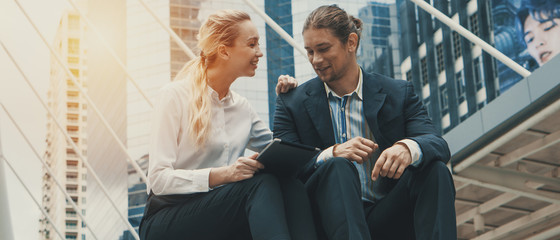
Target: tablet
[[285, 158]]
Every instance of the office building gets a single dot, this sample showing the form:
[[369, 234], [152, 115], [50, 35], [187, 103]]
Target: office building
[[137, 197], [104, 81], [453, 77], [70, 110], [379, 44]]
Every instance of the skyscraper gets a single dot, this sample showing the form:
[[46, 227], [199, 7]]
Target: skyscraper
[[453, 77], [280, 55], [379, 44], [69, 105], [104, 81], [137, 196]]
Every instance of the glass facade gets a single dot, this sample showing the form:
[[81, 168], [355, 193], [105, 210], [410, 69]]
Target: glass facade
[[379, 46], [137, 197], [449, 72], [280, 55]]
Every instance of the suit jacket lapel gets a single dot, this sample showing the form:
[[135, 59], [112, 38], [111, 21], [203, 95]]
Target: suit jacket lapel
[[318, 108], [373, 101]]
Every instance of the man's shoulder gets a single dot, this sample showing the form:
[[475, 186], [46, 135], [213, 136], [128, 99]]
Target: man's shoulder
[[302, 91], [387, 84], [385, 80]]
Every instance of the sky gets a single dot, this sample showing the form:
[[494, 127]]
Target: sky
[[29, 51]]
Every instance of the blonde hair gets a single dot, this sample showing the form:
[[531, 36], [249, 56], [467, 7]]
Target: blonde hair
[[221, 28]]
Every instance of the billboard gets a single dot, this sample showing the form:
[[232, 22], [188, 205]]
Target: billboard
[[527, 31]]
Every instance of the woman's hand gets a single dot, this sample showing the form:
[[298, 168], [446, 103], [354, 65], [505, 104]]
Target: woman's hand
[[243, 168], [285, 84]]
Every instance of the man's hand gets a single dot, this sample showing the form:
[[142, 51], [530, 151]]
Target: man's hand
[[285, 84], [357, 149], [392, 162]]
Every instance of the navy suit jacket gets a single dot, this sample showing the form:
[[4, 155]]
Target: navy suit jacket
[[393, 112]]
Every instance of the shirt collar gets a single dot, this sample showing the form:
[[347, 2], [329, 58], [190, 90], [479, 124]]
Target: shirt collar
[[215, 96], [358, 89]]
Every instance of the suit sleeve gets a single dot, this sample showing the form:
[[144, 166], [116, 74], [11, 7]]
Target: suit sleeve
[[419, 127], [285, 128]]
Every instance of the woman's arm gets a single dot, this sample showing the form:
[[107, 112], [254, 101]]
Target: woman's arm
[[260, 134], [164, 148], [243, 168]]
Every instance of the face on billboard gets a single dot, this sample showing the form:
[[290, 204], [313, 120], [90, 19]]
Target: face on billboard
[[542, 38], [528, 32]]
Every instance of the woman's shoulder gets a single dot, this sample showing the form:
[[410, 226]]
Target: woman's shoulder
[[174, 86], [174, 89], [174, 93], [238, 98]]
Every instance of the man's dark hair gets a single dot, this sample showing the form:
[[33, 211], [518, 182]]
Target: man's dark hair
[[335, 19]]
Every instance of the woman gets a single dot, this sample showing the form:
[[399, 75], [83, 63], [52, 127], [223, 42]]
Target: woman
[[200, 185], [538, 28]]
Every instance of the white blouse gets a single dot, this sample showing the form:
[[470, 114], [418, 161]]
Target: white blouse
[[176, 165]]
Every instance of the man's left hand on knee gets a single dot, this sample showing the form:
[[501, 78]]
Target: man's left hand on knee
[[392, 162]]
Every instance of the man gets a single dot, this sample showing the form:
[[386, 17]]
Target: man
[[382, 172]]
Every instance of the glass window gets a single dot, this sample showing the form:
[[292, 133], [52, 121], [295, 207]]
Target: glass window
[[456, 45], [75, 72], [473, 24], [73, 46], [477, 68], [73, 22], [439, 55], [443, 99], [460, 79], [74, 60], [409, 76], [424, 68], [427, 105], [174, 12]]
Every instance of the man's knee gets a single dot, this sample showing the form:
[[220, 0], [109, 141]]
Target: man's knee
[[339, 170], [436, 174], [338, 164], [439, 169], [265, 179]]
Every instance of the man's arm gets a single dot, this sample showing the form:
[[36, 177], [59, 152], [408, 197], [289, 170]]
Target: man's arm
[[284, 127], [418, 127]]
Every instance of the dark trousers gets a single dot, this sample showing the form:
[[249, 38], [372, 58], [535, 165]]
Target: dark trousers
[[421, 204], [262, 207]]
